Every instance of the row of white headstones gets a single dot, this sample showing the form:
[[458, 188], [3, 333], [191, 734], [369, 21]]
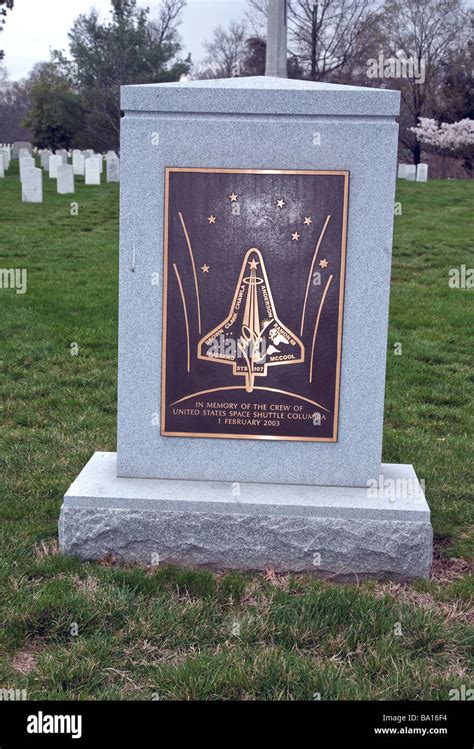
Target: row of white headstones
[[86, 164], [413, 172]]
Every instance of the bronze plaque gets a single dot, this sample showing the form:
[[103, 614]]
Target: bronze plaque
[[253, 303]]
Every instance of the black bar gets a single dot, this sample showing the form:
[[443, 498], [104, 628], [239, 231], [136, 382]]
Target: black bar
[[136, 724]]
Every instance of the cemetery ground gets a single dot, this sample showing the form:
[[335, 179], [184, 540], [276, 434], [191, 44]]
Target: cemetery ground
[[77, 630]]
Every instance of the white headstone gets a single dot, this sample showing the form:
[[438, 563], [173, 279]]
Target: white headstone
[[44, 159], [402, 171], [63, 155], [88, 153], [422, 173], [21, 144], [92, 171], [5, 153], [25, 163], [23, 152], [410, 172], [54, 161], [113, 169], [32, 185], [4, 159], [65, 174], [99, 158], [2, 165], [78, 163]]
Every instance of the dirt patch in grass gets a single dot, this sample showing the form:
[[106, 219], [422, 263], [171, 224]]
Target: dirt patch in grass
[[89, 584], [46, 548], [282, 582], [445, 569], [154, 655], [451, 611], [24, 662], [114, 675], [110, 561]]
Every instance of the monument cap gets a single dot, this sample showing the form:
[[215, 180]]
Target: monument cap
[[261, 95]]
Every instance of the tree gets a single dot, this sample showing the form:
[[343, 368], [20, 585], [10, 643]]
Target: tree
[[255, 54], [254, 60], [232, 52], [127, 49], [427, 31], [225, 52], [5, 6], [14, 105], [326, 36], [447, 138], [455, 100], [55, 109], [165, 30]]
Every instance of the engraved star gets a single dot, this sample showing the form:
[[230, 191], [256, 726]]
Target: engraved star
[[211, 219], [323, 263], [253, 264], [295, 236], [233, 198], [205, 268], [280, 203], [308, 220]]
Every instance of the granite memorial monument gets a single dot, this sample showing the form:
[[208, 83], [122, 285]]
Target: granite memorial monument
[[255, 253]]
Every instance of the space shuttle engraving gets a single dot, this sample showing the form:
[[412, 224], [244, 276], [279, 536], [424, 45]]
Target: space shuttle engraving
[[252, 338]]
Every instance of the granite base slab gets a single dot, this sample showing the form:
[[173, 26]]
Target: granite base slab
[[339, 532]]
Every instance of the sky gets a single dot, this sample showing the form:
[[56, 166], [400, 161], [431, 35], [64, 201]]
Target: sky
[[35, 26]]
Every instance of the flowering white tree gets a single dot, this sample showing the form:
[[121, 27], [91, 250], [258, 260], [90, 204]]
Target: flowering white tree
[[446, 138]]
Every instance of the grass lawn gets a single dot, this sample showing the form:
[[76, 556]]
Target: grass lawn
[[73, 630]]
